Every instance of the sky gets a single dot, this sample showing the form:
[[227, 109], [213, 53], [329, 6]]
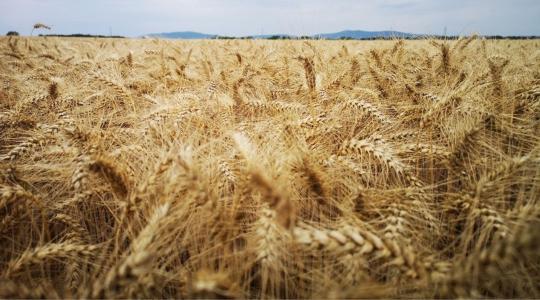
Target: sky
[[253, 17]]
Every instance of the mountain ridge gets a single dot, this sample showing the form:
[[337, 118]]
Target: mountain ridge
[[362, 34], [349, 34]]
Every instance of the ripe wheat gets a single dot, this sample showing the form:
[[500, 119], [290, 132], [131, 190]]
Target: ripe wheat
[[269, 169]]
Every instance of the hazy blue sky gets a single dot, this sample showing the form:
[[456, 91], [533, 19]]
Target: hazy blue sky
[[247, 17]]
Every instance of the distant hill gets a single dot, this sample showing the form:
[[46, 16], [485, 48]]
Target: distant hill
[[348, 34], [360, 34], [185, 35]]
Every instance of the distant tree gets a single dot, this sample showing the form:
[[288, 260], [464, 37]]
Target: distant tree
[[279, 37], [84, 35], [12, 33]]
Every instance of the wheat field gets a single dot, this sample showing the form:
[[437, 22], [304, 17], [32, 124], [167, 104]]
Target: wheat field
[[269, 169]]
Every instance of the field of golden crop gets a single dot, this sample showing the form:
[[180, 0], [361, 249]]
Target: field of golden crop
[[269, 169]]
